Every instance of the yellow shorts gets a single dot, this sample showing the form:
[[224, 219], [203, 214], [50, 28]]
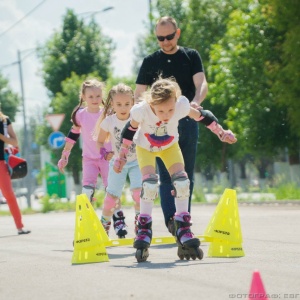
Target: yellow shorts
[[169, 156]]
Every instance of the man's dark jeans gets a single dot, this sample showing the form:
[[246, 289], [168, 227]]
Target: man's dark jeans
[[188, 138]]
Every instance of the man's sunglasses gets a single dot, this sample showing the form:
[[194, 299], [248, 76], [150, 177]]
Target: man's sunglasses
[[167, 37]]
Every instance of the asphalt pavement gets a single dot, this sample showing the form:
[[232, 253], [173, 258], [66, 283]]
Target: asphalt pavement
[[38, 265]]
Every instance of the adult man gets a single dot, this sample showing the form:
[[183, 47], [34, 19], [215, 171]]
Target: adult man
[[185, 65]]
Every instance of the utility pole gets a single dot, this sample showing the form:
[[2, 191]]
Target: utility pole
[[26, 135]]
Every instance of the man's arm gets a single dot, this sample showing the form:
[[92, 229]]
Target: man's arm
[[201, 87], [139, 90]]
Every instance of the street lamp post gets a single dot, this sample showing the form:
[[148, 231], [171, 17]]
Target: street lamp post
[[93, 13], [150, 16]]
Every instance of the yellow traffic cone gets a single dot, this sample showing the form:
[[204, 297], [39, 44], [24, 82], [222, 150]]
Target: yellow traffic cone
[[224, 228], [90, 236]]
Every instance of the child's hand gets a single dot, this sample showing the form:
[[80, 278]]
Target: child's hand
[[107, 155], [226, 136], [64, 160], [121, 160], [110, 155], [119, 164]]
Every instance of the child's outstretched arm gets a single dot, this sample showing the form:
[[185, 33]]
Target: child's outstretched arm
[[127, 135], [102, 137], [211, 122], [71, 139]]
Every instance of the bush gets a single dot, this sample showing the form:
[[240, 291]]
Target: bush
[[289, 191], [54, 203]]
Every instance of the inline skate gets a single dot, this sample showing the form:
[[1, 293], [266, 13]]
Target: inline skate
[[143, 238]]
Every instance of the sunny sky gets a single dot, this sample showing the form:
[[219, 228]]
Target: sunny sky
[[123, 24]]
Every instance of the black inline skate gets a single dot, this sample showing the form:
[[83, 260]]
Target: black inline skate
[[188, 244], [143, 238], [119, 224]]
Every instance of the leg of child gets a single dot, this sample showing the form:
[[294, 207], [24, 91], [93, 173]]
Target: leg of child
[[89, 177], [188, 244], [112, 203], [148, 194], [135, 178], [103, 166]]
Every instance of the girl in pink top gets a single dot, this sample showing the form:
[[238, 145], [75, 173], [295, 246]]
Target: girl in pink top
[[84, 119]]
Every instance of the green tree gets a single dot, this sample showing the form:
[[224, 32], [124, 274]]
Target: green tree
[[78, 48], [239, 69], [286, 70], [9, 101]]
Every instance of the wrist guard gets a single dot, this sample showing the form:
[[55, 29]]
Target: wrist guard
[[207, 117]]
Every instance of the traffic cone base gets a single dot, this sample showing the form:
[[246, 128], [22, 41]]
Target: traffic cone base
[[225, 249], [90, 236], [94, 254]]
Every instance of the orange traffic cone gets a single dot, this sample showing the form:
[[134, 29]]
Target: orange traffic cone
[[257, 290]]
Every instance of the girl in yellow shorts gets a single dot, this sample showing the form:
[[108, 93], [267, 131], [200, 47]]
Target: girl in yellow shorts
[[153, 128]]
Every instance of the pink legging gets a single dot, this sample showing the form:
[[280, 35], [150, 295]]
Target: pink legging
[[8, 193]]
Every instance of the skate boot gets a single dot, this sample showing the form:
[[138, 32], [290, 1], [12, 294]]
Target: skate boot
[[106, 225], [143, 238], [188, 244], [119, 224]]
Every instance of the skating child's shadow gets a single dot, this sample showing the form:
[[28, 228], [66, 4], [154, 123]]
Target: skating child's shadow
[[152, 264]]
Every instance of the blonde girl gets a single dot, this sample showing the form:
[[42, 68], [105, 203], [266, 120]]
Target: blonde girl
[[153, 127], [116, 114], [84, 118]]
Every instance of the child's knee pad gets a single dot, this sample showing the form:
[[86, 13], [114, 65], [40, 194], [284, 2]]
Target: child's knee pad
[[181, 184], [136, 195], [149, 187], [111, 203], [89, 191]]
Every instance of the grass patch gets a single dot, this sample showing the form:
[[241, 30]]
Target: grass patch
[[289, 191]]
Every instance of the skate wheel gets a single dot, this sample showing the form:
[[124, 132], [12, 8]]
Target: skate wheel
[[183, 253], [180, 252], [200, 253], [141, 255], [197, 253]]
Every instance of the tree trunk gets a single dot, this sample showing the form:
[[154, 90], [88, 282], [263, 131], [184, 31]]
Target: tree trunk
[[223, 160], [243, 176]]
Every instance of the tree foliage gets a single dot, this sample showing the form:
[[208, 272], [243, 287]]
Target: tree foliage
[[9, 100], [78, 48], [286, 70]]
